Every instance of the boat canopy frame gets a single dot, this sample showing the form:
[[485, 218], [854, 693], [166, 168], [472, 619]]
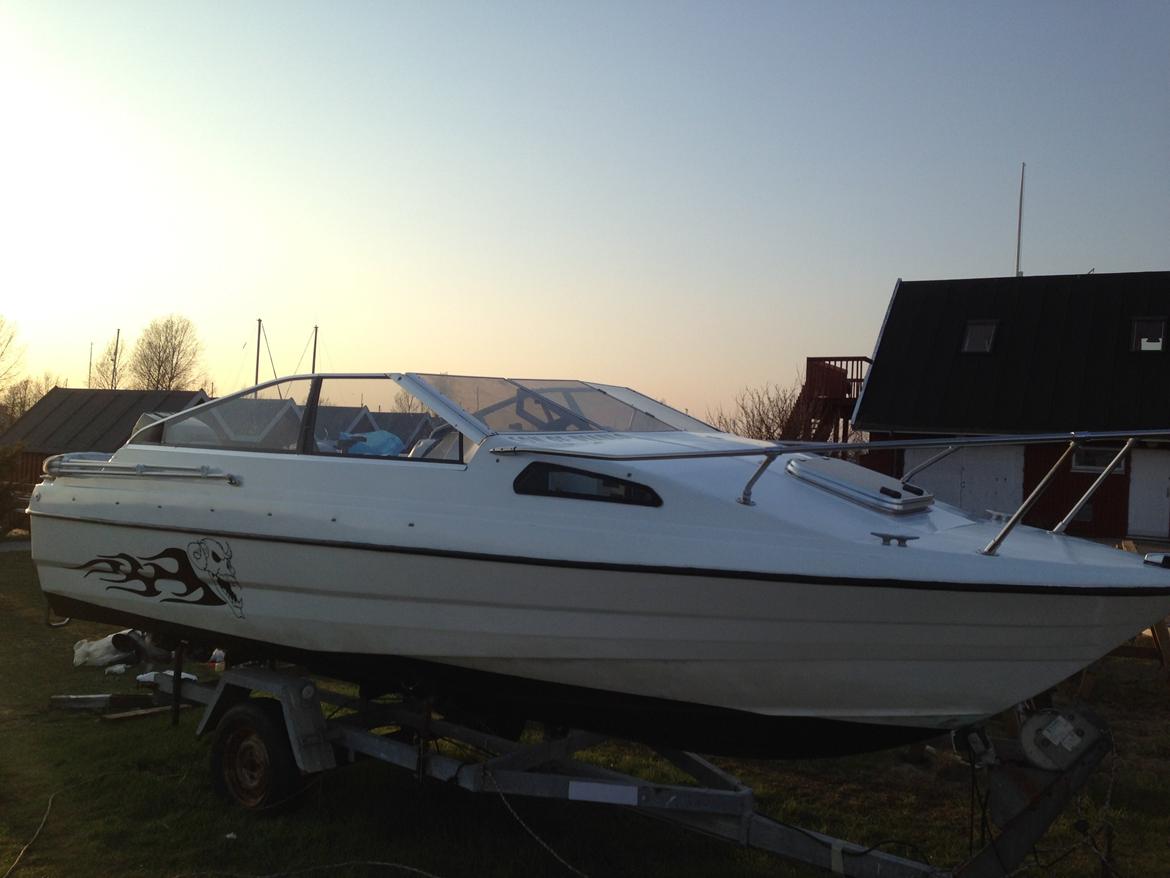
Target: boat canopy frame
[[458, 417]]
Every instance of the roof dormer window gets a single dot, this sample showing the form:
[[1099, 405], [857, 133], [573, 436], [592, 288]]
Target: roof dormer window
[[1149, 333], [979, 336]]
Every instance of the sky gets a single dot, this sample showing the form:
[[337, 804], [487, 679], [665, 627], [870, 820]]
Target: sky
[[686, 198]]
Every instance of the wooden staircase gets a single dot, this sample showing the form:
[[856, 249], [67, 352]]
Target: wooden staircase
[[823, 409]]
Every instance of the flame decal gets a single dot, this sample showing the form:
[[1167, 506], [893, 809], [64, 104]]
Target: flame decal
[[200, 574]]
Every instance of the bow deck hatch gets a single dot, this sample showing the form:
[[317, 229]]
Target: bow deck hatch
[[860, 485]]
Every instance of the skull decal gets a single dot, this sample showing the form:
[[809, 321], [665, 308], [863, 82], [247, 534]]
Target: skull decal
[[213, 560]]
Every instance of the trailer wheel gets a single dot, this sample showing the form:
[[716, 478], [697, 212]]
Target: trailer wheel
[[252, 761]]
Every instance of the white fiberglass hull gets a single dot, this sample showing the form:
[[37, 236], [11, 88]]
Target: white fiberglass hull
[[917, 654]]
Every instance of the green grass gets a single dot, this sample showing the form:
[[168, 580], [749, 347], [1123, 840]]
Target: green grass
[[134, 798]]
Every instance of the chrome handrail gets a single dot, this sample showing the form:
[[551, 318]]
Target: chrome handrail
[[780, 448], [60, 465], [992, 547], [1100, 480], [929, 462]]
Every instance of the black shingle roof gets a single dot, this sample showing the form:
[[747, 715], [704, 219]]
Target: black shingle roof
[[78, 419], [1062, 356]]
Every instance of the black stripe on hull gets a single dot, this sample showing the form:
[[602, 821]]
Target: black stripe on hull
[[656, 721], [666, 570]]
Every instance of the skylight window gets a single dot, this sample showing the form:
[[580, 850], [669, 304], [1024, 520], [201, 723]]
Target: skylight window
[[979, 337], [1149, 333]]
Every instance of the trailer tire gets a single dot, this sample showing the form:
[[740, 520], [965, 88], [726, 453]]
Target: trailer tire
[[252, 763]]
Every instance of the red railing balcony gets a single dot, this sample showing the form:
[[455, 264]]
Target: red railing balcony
[[836, 377], [825, 404]]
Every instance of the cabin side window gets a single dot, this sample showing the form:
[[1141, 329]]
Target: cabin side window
[[553, 480], [379, 418], [267, 419]]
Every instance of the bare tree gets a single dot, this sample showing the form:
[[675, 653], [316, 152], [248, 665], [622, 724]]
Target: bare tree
[[166, 355], [759, 412], [407, 402], [9, 352], [109, 369], [9, 455], [20, 396]]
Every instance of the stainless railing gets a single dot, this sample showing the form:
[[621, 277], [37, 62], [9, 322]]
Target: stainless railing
[[949, 446], [70, 465]]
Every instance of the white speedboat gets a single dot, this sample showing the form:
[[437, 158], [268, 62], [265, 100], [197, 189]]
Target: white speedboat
[[576, 553]]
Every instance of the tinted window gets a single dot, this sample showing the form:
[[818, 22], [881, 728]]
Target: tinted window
[[551, 480], [377, 417], [268, 419]]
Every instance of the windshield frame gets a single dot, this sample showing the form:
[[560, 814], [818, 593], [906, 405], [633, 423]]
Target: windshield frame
[[466, 423]]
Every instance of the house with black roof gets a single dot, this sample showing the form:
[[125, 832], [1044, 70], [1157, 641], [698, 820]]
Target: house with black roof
[[82, 419], [1037, 354]]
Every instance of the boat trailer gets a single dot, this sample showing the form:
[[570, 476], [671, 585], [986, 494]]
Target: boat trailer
[[265, 747]]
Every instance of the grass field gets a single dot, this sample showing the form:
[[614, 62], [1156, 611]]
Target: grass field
[[134, 797]]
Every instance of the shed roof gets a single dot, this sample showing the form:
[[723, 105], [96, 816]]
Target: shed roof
[[80, 419], [1062, 356]]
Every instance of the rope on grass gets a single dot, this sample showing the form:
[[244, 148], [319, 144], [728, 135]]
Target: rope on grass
[[328, 867], [544, 844], [49, 807], [45, 818]]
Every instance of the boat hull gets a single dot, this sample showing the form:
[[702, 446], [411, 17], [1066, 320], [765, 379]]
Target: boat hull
[[620, 648]]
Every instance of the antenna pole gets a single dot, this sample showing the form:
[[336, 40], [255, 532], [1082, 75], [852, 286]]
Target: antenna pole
[[256, 380], [114, 371], [314, 369], [1020, 219], [89, 374]]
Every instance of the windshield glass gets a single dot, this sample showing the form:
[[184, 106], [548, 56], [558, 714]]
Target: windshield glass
[[542, 406]]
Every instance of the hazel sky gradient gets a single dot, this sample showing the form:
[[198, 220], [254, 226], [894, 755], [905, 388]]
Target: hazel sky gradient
[[683, 197]]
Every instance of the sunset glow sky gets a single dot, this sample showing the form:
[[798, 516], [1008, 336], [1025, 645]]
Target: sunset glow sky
[[683, 197]]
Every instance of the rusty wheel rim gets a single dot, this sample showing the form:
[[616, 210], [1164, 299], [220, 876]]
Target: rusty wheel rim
[[247, 770]]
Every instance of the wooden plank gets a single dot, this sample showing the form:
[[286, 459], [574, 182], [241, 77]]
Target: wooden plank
[[100, 702], [1130, 650], [1162, 643], [135, 714]]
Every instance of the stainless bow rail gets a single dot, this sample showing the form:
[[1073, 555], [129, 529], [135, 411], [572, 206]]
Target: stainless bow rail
[[1074, 440], [90, 465]]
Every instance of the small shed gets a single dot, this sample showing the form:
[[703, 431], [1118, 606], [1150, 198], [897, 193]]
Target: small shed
[[81, 419]]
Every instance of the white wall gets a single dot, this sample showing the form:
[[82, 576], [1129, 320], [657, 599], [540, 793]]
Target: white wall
[[974, 479], [1149, 493]]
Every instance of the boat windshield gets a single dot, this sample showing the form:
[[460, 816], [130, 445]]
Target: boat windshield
[[506, 405]]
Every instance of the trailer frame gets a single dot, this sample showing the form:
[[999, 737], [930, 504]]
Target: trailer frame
[[1027, 799]]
